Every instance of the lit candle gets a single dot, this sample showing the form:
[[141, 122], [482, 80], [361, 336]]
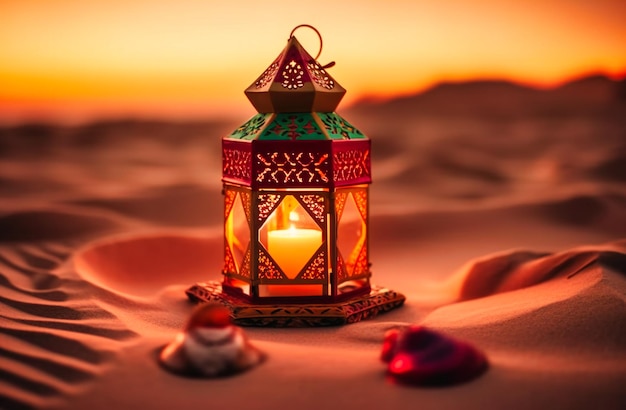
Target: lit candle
[[292, 248]]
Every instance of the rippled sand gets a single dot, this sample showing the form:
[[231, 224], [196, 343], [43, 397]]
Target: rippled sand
[[506, 233]]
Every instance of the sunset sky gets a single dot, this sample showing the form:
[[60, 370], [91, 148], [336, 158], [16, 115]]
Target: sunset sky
[[78, 60]]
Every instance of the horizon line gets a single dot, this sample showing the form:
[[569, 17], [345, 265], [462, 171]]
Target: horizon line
[[219, 116]]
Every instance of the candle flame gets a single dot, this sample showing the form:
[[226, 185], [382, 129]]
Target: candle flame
[[293, 217]]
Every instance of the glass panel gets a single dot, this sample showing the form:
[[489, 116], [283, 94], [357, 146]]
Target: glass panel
[[238, 284], [238, 232], [351, 234], [290, 236], [351, 286], [291, 290]]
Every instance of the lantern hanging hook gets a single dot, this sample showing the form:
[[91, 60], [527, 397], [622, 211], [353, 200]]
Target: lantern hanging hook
[[316, 32]]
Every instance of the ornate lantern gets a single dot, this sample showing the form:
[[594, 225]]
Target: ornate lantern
[[296, 191]]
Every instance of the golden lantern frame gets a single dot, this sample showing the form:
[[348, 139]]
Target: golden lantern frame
[[296, 206]]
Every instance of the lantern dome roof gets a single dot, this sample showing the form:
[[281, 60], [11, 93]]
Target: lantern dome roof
[[295, 82], [297, 127]]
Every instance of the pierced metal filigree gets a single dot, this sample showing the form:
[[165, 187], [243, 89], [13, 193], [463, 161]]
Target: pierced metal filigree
[[229, 260], [267, 269], [316, 205], [268, 74], [236, 164], [340, 202], [316, 269], [245, 265], [266, 205], [341, 269], [292, 168], [339, 128], [292, 75], [351, 165], [229, 200], [245, 200], [360, 199], [249, 130], [292, 127], [320, 76]]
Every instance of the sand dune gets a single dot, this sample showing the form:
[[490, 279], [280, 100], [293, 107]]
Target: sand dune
[[49, 225], [62, 336], [54, 337], [506, 231]]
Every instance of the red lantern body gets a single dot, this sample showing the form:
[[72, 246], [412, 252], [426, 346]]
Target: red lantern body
[[296, 192]]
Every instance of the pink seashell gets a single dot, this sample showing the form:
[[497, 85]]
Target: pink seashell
[[210, 346], [420, 356]]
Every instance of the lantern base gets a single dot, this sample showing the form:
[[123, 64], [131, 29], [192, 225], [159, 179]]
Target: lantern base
[[362, 307]]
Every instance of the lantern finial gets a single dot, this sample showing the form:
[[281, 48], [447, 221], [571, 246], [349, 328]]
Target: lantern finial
[[332, 63], [316, 32], [296, 82]]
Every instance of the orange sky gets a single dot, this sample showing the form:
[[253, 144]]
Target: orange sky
[[77, 60]]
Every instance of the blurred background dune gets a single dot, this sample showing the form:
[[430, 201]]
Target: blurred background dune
[[469, 104], [72, 61]]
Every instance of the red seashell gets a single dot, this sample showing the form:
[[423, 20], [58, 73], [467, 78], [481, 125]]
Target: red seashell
[[210, 346], [420, 356], [389, 345], [209, 315]]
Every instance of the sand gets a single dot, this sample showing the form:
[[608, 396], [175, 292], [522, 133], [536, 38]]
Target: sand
[[522, 254]]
